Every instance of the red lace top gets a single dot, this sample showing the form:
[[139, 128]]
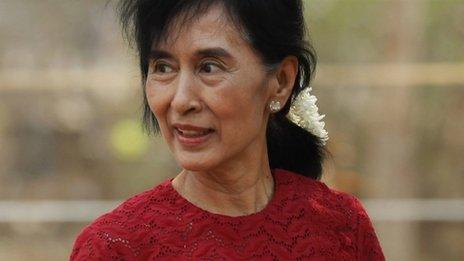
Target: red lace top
[[305, 220]]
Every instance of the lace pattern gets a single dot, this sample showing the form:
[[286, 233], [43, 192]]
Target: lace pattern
[[305, 220]]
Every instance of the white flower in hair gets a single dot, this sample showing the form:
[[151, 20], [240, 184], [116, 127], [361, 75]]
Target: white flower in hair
[[304, 113]]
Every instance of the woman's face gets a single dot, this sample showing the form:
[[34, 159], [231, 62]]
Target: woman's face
[[206, 75]]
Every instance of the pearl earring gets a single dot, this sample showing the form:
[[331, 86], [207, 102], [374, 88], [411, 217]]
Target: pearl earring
[[274, 106]]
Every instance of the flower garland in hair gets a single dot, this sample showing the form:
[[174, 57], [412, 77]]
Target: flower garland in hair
[[304, 113]]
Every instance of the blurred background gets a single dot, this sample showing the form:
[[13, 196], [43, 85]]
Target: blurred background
[[390, 81]]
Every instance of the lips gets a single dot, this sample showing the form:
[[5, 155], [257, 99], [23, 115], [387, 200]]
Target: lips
[[190, 132]]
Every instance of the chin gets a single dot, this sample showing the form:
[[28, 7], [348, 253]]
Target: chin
[[204, 159], [195, 164]]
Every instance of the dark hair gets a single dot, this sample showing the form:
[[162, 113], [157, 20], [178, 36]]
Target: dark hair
[[274, 28]]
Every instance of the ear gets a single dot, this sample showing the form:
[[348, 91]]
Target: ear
[[285, 77]]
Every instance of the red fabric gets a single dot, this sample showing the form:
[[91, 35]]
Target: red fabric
[[305, 220]]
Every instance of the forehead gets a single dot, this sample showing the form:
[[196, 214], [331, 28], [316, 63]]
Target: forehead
[[212, 27]]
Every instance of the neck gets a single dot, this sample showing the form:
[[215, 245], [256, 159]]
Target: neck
[[235, 190]]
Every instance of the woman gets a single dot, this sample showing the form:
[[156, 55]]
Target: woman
[[219, 80]]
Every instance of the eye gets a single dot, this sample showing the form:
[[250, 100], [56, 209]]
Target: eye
[[162, 68], [210, 67]]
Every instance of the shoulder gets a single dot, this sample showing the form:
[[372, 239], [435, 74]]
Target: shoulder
[[317, 192], [324, 203], [111, 233], [336, 211]]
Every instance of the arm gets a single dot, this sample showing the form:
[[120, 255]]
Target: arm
[[88, 246], [368, 246]]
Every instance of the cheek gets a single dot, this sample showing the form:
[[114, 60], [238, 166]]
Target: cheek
[[157, 101], [150, 95], [154, 98], [240, 107], [249, 96]]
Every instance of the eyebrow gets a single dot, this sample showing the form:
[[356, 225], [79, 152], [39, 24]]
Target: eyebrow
[[159, 54], [208, 52], [214, 52]]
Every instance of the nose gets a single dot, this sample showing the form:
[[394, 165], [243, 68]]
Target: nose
[[186, 99]]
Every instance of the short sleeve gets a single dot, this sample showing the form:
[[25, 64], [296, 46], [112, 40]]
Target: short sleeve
[[368, 246], [88, 246]]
